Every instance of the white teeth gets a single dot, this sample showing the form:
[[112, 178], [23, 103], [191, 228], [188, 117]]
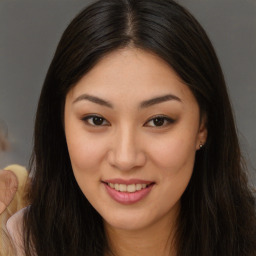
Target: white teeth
[[131, 188], [122, 187], [127, 188], [138, 186]]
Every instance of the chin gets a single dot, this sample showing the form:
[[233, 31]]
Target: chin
[[126, 225], [130, 221]]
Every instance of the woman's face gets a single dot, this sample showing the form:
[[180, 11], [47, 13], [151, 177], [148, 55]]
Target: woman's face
[[133, 128]]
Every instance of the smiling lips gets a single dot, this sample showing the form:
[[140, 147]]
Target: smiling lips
[[128, 192], [127, 188]]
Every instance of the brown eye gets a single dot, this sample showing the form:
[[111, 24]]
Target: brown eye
[[95, 120], [159, 121]]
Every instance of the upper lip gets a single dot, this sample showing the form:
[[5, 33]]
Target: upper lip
[[128, 182]]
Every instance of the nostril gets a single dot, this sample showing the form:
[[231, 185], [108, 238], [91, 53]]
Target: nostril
[[126, 156]]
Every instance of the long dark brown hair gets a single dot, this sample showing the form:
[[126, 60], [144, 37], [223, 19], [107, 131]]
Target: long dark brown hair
[[217, 216]]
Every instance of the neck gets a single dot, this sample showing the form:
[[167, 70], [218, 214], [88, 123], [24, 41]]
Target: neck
[[157, 239]]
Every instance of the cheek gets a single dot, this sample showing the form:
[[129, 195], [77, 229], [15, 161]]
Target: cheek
[[86, 157], [85, 150], [175, 153], [86, 154], [83, 154], [174, 160]]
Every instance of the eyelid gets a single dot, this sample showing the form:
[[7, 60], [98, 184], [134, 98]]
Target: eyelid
[[166, 118], [89, 116]]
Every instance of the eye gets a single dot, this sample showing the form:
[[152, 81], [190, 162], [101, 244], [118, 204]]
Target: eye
[[159, 121], [95, 120]]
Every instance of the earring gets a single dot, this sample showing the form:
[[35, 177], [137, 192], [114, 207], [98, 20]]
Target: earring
[[201, 145]]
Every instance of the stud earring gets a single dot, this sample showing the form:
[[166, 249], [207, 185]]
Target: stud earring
[[201, 145]]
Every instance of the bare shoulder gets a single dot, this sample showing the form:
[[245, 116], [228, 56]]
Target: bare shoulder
[[14, 227]]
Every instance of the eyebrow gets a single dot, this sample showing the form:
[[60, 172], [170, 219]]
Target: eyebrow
[[93, 99], [143, 104], [160, 99]]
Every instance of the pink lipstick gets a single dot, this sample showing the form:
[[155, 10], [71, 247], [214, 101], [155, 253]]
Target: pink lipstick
[[128, 191]]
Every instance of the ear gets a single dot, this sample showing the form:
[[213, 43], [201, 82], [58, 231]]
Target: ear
[[202, 133]]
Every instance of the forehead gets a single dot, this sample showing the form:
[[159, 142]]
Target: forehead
[[133, 73]]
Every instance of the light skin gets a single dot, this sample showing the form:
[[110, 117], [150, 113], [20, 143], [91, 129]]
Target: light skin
[[147, 127]]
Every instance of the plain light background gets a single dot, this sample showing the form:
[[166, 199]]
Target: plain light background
[[30, 31]]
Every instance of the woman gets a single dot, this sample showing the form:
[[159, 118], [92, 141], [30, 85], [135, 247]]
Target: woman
[[136, 151]]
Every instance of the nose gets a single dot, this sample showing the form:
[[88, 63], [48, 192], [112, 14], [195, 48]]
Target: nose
[[126, 153]]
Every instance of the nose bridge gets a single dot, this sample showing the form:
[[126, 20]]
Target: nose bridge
[[127, 153], [126, 142]]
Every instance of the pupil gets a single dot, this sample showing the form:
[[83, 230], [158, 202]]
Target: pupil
[[97, 120], [158, 121]]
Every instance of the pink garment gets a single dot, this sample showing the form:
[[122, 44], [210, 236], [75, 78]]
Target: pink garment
[[15, 229]]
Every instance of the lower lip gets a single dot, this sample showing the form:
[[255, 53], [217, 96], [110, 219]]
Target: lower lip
[[126, 197]]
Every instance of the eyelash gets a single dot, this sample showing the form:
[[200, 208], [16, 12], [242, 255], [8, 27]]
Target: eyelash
[[89, 118], [164, 121]]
